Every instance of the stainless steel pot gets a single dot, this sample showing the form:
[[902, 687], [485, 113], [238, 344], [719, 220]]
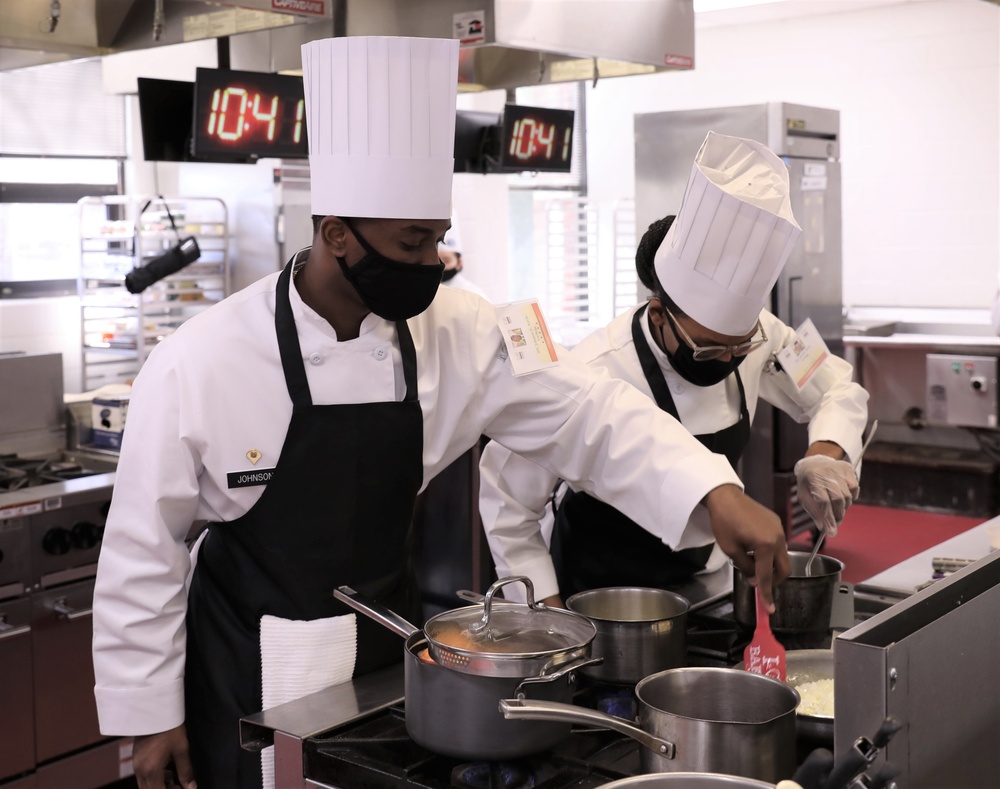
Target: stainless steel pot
[[710, 720], [457, 714], [453, 711], [688, 781], [497, 638], [803, 604], [809, 665], [640, 631]]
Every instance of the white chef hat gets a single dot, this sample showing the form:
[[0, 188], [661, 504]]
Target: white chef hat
[[380, 112], [731, 237]]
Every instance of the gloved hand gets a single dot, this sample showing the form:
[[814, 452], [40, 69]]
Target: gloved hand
[[827, 487]]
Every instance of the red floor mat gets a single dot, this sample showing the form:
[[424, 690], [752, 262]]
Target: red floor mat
[[872, 539]]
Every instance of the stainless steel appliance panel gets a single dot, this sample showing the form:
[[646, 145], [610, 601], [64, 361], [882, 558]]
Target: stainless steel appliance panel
[[17, 741], [68, 537], [65, 711], [31, 392], [15, 566], [931, 662]]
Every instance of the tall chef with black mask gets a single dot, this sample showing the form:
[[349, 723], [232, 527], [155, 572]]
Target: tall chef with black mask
[[703, 348], [300, 417]]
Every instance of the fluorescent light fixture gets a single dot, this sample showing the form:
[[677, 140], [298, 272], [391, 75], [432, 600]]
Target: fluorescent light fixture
[[703, 6]]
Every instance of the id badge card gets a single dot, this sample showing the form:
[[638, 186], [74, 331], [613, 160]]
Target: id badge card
[[526, 337], [805, 355]]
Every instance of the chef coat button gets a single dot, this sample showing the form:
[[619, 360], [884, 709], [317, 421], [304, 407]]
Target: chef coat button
[[678, 388], [315, 358], [380, 353]]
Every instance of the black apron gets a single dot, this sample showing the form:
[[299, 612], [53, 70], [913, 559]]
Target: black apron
[[595, 546], [336, 511]]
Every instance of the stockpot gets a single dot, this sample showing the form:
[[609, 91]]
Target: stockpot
[[708, 720], [454, 711], [640, 631], [803, 603]]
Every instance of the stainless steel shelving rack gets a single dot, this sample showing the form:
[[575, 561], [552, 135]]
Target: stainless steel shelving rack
[[121, 232]]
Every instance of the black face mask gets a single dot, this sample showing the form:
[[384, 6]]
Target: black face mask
[[448, 274], [392, 290], [706, 373]]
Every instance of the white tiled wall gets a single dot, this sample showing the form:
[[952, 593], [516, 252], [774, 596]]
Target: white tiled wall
[[50, 325]]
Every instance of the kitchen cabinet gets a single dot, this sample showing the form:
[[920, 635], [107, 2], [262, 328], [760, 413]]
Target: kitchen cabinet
[[121, 233]]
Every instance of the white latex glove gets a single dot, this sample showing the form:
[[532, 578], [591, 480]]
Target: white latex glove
[[827, 487]]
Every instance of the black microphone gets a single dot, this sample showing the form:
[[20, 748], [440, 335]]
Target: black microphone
[[141, 277]]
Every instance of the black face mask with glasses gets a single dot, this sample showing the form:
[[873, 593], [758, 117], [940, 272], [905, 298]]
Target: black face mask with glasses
[[702, 365], [392, 290]]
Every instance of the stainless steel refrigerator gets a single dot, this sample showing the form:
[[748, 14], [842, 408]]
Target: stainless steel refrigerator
[[808, 140]]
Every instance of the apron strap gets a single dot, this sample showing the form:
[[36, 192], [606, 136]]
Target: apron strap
[[650, 367], [288, 341], [291, 350]]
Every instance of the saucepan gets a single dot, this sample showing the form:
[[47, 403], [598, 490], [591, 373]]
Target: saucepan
[[640, 631], [465, 661], [707, 720], [803, 603]]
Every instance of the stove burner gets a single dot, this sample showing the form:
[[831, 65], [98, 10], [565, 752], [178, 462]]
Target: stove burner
[[492, 775], [17, 472]]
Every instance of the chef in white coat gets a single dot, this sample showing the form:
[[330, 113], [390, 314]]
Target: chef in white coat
[[704, 348], [300, 417], [450, 252]]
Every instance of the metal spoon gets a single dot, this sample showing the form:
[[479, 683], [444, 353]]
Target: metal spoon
[[822, 534]]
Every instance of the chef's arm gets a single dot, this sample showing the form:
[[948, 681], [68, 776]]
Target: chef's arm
[[827, 448], [752, 536], [513, 498]]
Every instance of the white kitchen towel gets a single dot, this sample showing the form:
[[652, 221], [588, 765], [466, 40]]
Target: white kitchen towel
[[298, 658]]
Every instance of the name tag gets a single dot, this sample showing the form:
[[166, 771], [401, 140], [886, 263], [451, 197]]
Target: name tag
[[248, 479], [806, 354], [526, 337]]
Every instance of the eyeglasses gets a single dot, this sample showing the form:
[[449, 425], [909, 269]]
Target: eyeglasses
[[705, 353]]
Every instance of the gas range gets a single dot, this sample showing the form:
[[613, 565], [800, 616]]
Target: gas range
[[377, 753]]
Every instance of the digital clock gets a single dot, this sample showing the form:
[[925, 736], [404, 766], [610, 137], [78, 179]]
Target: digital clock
[[536, 138], [248, 115]]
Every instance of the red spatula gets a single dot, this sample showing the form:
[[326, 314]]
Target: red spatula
[[764, 655]]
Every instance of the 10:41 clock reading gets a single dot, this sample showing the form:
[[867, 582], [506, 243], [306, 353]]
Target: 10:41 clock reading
[[536, 138], [233, 109], [245, 115]]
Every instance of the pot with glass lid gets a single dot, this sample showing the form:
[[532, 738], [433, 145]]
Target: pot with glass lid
[[464, 661]]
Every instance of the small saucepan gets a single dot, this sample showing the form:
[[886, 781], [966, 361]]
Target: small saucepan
[[708, 720], [640, 631]]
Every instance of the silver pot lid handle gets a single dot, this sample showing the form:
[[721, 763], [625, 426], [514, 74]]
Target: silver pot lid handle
[[529, 596]]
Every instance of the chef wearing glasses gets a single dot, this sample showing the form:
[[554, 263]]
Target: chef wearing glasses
[[705, 350]]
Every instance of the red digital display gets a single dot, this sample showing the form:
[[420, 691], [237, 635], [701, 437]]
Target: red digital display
[[246, 115], [536, 138]]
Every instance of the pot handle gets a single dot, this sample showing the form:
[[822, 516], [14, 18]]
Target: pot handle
[[561, 671], [525, 709], [378, 612]]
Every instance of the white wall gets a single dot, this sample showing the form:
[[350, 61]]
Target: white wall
[[918, 88]]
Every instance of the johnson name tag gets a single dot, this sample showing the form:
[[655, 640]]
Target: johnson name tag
[[247, 479]]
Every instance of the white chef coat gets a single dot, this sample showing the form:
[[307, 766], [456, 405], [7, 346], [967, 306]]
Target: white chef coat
[[213, 394], [515, 492]]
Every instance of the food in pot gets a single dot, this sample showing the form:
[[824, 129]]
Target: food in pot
[[425, 655], [817, 698]]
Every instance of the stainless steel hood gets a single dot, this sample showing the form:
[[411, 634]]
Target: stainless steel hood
[[505, 43]]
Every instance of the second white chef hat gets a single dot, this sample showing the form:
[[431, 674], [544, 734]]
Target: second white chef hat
[[380, 112], [732, 235]]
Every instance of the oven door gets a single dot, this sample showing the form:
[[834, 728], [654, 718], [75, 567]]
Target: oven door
[[62, 632], [17, 746]]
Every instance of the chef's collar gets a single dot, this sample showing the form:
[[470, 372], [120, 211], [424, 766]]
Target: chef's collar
[[303, 312]]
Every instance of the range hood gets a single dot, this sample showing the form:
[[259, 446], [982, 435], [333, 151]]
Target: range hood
[[505, 43]]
